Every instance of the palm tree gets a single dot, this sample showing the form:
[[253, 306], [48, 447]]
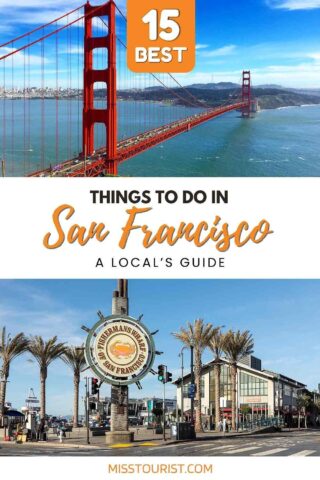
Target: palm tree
[[236, 345], [10, 348], [216, 345], [74, 358], [197, 334], [45, 353]]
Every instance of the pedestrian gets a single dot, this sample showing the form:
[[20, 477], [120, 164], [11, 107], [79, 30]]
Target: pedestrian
[[229, 425], [224, 425]]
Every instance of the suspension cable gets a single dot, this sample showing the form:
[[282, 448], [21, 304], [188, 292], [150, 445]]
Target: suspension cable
[[153, 75], [170, 75], [50, 34], [41, 27]]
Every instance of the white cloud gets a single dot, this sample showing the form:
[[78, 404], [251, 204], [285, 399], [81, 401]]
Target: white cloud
[[201, 46], [20, 58], [220, 52], [39, 3], [314, 56], [37, 312], [301, 75], [36, 12], [294, 4]]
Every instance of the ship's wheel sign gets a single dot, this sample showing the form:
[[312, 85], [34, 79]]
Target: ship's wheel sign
[[120, 350]]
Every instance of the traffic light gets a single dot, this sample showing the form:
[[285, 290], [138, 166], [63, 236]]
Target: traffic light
[[162, 373], [94, 386], [168, 377]]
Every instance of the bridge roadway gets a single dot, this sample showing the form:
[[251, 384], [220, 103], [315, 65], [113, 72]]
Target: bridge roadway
[[97, 163]]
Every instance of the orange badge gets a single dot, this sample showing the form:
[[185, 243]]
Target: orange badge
[[161, 36]]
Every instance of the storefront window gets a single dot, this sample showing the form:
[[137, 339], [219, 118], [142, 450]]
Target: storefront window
[[252, 386], [225, 385]]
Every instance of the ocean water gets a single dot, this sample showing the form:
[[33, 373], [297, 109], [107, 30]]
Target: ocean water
[[283, 142]]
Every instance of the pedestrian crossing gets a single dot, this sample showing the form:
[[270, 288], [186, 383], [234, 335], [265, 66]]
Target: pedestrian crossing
[[267, 453], [303, 453], [241, 450], [257, 446], [276, 446]]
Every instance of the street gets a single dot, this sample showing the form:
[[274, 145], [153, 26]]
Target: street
[[304, 443]]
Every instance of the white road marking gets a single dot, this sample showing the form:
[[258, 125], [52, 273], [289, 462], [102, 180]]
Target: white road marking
[[269, 452], [219, 448], [303, 453], [169, 446], [240, 450], [196, 446]]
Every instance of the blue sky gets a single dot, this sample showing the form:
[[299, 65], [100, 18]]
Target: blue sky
[[277, 39], [283, 317]]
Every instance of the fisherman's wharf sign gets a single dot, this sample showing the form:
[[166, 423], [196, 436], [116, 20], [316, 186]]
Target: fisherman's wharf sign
[[120, 350]]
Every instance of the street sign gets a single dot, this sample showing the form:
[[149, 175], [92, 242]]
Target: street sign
[[120, 350], [191, 390]]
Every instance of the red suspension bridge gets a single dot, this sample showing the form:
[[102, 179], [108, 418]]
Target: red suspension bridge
[[70, 107]]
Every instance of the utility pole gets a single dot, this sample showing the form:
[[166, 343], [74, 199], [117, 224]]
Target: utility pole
[[237, 401], [87, 412], [182, 372], [164, 404], [192, 382]]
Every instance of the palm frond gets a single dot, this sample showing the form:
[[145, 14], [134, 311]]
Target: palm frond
[[238, 344], [75, 359], [12, 347], [46, 352], [198, 334], [217, 342]]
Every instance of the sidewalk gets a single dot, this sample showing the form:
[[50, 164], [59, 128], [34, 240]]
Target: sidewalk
[[142, 437]]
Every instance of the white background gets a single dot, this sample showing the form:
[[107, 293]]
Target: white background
[[84, 468], [291, 206]]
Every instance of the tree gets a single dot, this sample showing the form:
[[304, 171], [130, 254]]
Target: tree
[[74, 358], [216, 345], [10, 348], [236, 345], [303, 402], [197, 334], [158, 413], [45, 352]]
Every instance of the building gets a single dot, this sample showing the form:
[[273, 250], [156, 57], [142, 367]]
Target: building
[[139, 409], [260, 393]]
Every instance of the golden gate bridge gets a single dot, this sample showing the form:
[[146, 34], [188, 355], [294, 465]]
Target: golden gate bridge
[[70, 106]]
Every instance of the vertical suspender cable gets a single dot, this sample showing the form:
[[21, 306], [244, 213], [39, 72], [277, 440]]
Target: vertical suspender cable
[[4, 155], [24, 115], [57, 98], [42, 104], [69, 88], [28, 108], [12, 115]]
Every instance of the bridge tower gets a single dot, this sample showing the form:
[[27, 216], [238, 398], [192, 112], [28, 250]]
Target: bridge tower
[[246, 93], [92, 115]]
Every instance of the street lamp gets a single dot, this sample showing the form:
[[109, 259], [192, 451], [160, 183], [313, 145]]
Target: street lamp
[[192, 382], [182, 393]]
